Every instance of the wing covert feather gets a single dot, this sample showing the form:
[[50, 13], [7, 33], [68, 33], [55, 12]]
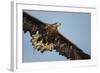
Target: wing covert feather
[[32, 24], [69, 49]]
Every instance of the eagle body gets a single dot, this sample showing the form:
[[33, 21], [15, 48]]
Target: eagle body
[[46, 37]]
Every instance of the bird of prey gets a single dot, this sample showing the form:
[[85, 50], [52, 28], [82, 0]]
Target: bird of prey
[[46, 37]]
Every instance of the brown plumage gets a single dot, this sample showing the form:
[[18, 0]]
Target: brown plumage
[[50, 33]]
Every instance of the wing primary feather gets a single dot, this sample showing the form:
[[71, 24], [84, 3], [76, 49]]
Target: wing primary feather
[[70, 50], [32, 24]]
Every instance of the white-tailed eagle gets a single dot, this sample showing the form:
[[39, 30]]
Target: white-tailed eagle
[[46, 37]]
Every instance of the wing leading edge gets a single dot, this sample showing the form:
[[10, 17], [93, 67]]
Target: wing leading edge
[[43, 39]]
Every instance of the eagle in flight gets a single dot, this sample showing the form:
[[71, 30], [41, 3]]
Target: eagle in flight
[[46, 37]]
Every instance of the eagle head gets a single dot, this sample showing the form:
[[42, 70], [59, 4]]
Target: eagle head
[[56, 25], [53, 27]]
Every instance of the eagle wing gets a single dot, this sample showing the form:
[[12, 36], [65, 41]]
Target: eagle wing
[[68, 49], [32, 24], [61, 44]]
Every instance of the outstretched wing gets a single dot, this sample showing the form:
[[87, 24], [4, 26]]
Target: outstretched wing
[[61, 44], [68, 49], [32, 24]]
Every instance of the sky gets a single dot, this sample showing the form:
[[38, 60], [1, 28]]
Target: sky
[[74, 25]]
